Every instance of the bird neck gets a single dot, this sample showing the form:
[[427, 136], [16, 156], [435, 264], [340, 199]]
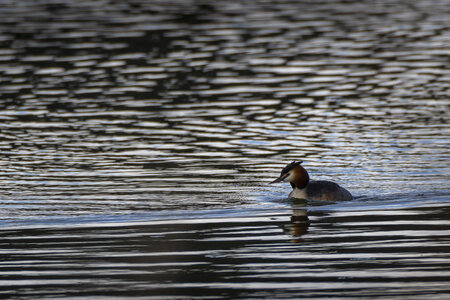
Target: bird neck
[[301, 178]]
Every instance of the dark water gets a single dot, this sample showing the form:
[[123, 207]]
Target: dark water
[[137, 140]]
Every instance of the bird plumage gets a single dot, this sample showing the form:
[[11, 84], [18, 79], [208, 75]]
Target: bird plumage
[[304, 188]]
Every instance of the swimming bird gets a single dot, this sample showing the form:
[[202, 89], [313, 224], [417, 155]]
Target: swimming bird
[[310, 189]]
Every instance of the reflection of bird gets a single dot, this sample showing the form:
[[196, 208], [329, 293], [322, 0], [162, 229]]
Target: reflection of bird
[[309, 189], [299, 221]]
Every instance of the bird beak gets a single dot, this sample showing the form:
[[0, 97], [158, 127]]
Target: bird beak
[[279, 179]]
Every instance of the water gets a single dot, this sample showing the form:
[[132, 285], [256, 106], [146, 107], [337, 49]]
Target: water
[[138, 138]]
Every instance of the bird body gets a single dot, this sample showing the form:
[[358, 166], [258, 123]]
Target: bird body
[[304, 188]]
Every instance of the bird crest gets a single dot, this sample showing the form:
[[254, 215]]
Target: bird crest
[[290, 166]]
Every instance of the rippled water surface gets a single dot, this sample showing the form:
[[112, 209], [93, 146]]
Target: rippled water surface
[[138, 138]]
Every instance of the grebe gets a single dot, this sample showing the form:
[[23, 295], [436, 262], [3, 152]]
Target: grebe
[[309, 189]]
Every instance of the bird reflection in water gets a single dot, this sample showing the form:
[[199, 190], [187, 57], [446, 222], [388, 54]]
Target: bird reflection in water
[[298, 226]]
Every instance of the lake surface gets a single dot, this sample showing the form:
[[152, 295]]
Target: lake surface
[[138, 140]]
